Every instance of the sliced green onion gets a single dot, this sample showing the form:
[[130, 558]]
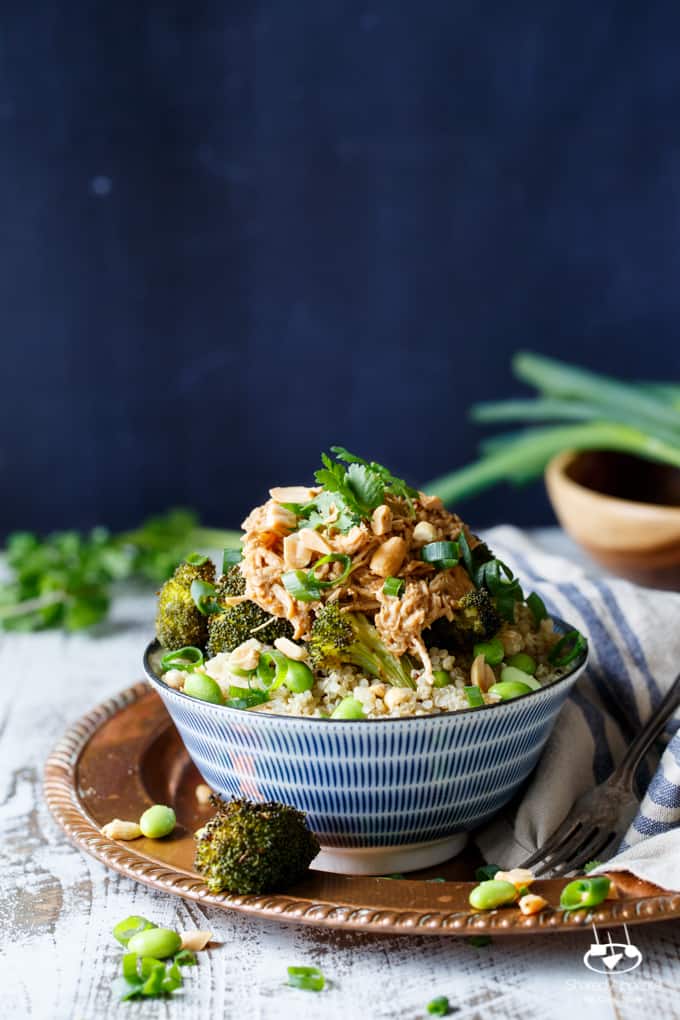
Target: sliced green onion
[[203, 595], [230, 557], [474, 696], [188, 657], [585, 892], [493, 651], [185, 958], [309, 978], [301, 586], [537, 607], [466, 553], [195, 559], [124, 930], [394, 586], [172, 979], [439, 1006], [332, 558], [245, 699], [271, 669], [130, 970], [441, 678], [154, 982], [487, 872], [568, 648], [442, 554]]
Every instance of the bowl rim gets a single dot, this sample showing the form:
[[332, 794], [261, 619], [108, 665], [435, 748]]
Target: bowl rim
[[556, 471], [239, 713]]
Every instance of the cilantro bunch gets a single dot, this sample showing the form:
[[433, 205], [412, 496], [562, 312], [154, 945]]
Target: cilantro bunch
[[66, 579]]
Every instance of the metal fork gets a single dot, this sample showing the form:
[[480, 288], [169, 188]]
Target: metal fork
[[599, 818]]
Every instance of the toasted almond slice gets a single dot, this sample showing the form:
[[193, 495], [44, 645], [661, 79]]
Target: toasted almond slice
[[118, 829], [531, 904], [195, 940], [290, 649], [203, 793], [292, 494]]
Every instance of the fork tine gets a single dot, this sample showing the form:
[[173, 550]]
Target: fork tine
[[563, 850], [587, 850], [561, 833]]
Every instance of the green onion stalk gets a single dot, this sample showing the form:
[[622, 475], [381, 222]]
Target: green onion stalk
[[592, 412]]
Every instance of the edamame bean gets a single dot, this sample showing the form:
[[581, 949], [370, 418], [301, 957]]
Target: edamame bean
[[524, 662], [492, 651], [492, 894], [508, 689], [441, 678], [203, 687], [585, 892], [349, 708], [155, 942], [298, 678], [157, 821], [513, 675]]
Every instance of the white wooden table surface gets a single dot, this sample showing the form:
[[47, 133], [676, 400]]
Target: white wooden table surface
[[57, 906]]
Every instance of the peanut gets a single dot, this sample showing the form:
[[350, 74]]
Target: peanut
[[388, 557], [531, 904], [381, 521], [203, 793], [482, 674], [118, 829], [195, 940]]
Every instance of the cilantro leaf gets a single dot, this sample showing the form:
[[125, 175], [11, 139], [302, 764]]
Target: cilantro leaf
[[367, 487]]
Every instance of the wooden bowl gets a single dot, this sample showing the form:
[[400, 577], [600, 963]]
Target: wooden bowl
[[623, 511]]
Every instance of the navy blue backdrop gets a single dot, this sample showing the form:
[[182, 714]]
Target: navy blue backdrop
[[233, 234]]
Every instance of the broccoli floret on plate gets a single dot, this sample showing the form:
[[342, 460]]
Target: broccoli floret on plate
[[236, 624], [179, 622], [475, 619], [254, 848], [340, 638]]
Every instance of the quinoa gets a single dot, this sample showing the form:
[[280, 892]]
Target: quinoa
[[383, 701]]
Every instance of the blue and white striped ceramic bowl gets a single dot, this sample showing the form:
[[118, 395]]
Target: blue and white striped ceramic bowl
[[383, 795]]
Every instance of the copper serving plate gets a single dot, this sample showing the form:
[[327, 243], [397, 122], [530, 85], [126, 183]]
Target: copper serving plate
[[126, 754]]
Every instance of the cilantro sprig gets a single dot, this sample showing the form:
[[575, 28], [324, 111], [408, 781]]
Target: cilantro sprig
[[352, 489]]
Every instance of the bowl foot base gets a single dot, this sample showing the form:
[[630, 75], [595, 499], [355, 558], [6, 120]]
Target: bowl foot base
[[388, 860]]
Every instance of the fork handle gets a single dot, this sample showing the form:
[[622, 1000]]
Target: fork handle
[[625, 772]]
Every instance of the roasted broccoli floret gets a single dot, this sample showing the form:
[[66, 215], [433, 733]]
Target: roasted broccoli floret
[[254, 848], [178, 620], [235, 624], [349, 638], [475, 619]]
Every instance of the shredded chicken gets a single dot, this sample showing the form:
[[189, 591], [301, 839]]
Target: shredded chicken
[[429, 595]]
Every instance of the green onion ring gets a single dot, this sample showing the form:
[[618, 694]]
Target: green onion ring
[[272, 669], [537, 607], [436, 552], [186, 658], [203, 595], [394, 586], [568, 648], [301, 586], [332, 558], [309, 978]]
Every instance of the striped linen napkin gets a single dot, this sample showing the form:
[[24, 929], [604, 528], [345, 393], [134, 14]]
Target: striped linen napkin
[[634, 636]]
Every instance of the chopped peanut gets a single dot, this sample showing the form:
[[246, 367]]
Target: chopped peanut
[[532, 904], [388, 557], [279, 520], [311, 539], [174, 678], [519, 877], [203, 793], [195, 940], [292, 494], [246, 656], [290, 649], [481, 674], [381, 521], [118, 829], [424, 532], [295, 554]]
